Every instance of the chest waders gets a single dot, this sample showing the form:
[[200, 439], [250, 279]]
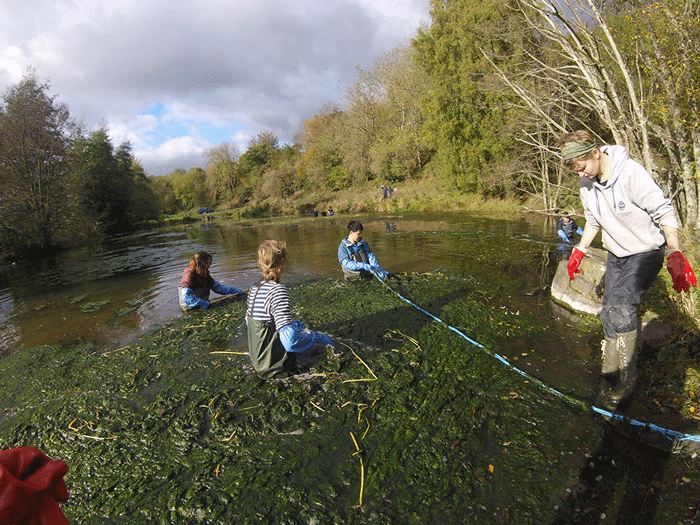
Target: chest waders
[[200, 293], [358, 256], [270, 359]]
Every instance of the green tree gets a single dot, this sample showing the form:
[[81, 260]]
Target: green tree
[[223, 172], [322, 141], [466, 120], [35, 134], [668, 53], [145, 203], [189, 187], [104, 181], [400, 150], [162, 187], [260, 155]]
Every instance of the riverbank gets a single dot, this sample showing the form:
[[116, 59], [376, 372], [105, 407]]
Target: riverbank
[[405, 421]]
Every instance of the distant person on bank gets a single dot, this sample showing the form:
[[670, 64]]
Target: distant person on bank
[[566, 227], [355, 256], [638, 222], [274, 336], [196, 283]]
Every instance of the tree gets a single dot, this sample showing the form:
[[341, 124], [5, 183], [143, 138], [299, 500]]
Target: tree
[[384, 119], [104, 181], [145, 204], [667, 52], [189, 187], [466, 120], [223, 171], [35, 134], [321, 165], [259, 157], [628, 73], [164, 194]]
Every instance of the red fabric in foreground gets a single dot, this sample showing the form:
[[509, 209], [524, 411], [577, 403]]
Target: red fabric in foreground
[[31, 487]]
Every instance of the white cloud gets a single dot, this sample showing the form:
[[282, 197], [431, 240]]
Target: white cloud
[[181, 152], [263, 66]]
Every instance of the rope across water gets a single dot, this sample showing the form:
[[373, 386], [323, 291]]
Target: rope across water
[[670, 434]]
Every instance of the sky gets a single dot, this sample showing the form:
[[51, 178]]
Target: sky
[[176, 78]]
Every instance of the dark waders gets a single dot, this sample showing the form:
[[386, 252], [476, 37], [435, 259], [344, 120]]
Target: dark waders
[[358, 256], [267, 353]]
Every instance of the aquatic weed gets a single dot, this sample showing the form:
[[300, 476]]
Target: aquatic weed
[[167, 429]]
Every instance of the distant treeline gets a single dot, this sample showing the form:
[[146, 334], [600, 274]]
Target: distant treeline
[[477, 98]]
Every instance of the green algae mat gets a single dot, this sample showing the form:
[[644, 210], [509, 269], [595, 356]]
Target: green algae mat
[[404, 421]]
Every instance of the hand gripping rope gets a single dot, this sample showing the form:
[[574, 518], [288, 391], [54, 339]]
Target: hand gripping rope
[[670, 434]]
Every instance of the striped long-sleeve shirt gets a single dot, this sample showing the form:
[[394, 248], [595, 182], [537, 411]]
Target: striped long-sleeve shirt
[[270, 302]]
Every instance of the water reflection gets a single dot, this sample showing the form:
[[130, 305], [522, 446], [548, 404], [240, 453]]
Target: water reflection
[[112, 292]]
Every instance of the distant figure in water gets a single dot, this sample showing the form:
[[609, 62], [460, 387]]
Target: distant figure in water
[[196, 284], [566, 227], [274, 337]]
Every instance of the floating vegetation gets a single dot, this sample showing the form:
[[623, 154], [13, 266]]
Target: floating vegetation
[[94, 306], [77, 298], [120, 313], [402, 422]]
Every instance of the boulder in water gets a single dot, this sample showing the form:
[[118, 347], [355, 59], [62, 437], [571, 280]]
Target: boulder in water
[[585, 293]]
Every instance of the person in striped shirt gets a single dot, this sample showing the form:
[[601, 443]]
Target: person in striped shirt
[[274, 336]]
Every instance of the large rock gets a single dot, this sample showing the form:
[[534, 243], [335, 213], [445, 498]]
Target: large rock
[[585, 293]]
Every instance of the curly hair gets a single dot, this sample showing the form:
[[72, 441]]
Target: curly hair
[[200, 262], [271, 256]]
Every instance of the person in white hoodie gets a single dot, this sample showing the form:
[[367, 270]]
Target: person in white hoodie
[[638, 223]]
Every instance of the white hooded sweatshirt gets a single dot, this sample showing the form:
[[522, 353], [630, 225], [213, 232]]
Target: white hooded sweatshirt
[[630, 207]]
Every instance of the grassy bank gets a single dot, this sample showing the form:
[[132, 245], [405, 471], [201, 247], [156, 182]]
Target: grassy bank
[[412, 196]]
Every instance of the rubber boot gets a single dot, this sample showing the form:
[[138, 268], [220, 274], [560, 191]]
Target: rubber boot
[[626, 345], [605, 385]]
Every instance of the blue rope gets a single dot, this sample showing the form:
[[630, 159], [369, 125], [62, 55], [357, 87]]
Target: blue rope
[[671, 434]]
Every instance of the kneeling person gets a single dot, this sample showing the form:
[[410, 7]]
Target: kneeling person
[[274, 337], [196, 283], [355, 257]]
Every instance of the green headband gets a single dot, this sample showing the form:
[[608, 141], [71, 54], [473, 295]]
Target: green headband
[[574, 150]]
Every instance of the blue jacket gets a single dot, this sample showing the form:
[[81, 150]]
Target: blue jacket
[[357, 257]]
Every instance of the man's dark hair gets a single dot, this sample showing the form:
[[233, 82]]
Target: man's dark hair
[[354, 226]]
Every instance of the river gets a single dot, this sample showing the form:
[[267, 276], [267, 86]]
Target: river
[[113, 292]]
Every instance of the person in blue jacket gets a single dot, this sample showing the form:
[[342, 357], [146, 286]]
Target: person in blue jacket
[[197, 282], [355, 256], [566, 227]]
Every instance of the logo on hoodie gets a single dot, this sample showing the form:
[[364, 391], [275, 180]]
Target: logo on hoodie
[[621, 206]]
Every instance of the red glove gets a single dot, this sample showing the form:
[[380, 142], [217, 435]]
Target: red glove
[[575, 261], [31, 487], [681, 272]]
